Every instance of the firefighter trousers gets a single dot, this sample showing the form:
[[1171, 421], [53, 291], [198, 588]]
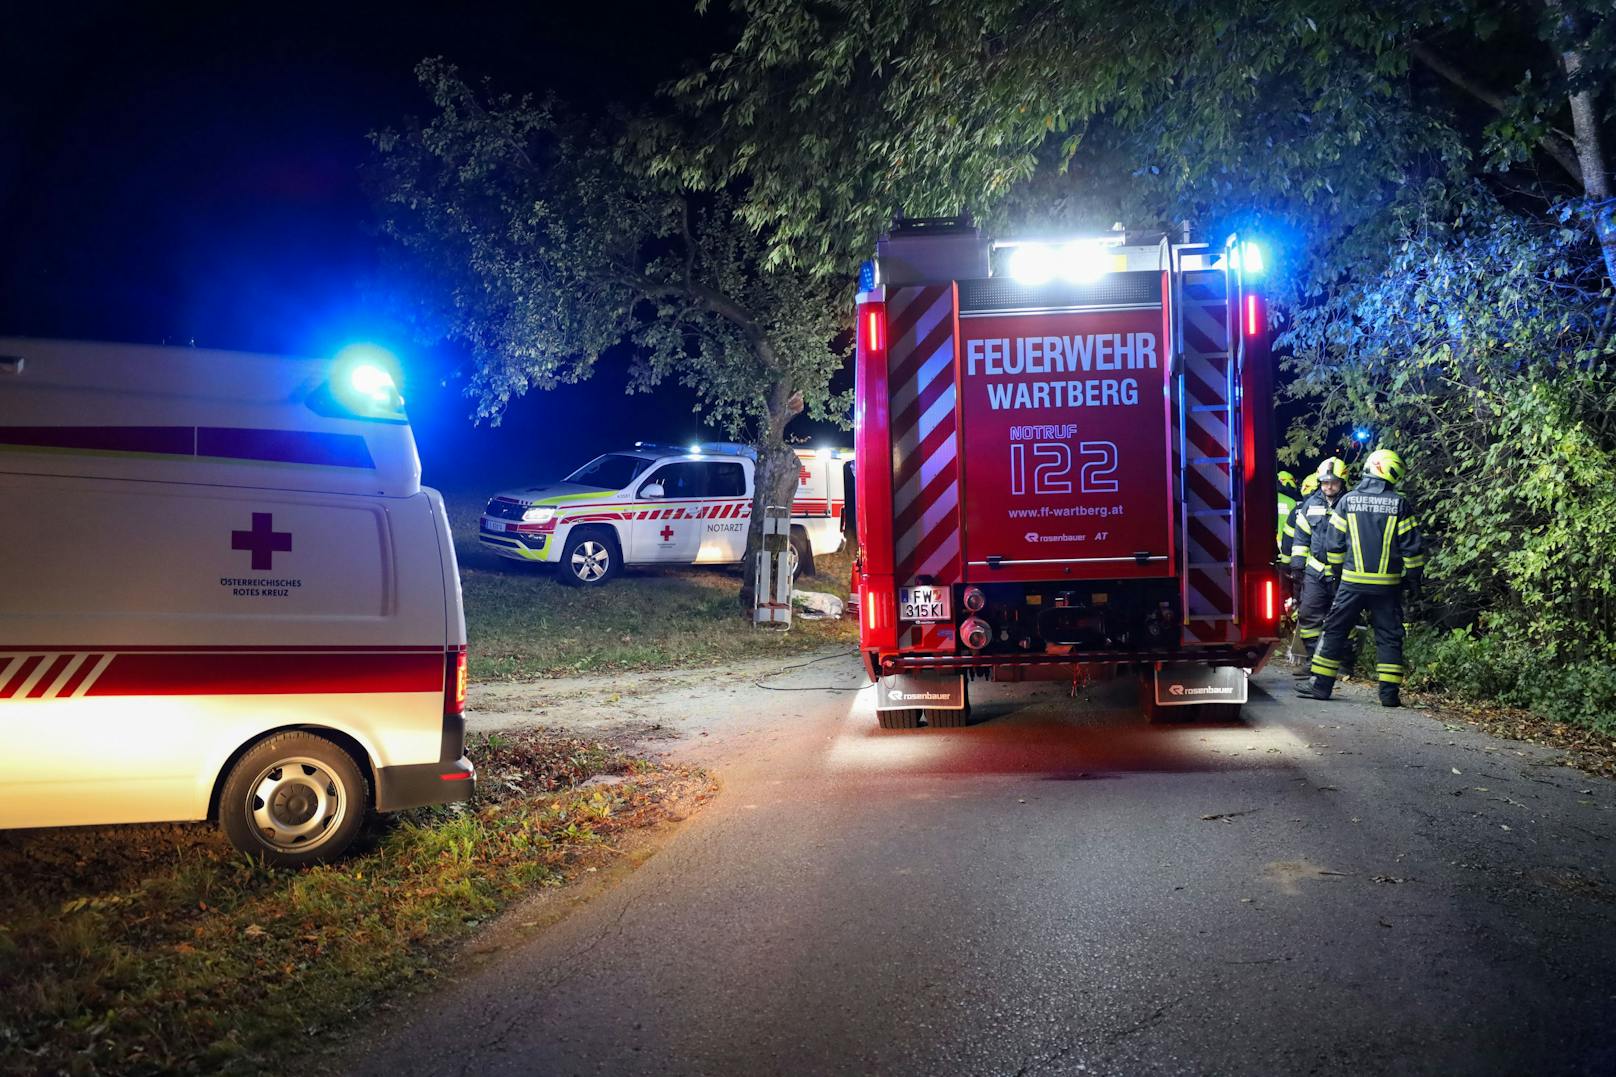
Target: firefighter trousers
[[1318, 592], [1385, 608]]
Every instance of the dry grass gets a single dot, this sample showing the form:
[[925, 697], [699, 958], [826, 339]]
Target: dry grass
[[159, 949]]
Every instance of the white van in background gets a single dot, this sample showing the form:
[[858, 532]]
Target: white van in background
[[661, 505], [224, 594]]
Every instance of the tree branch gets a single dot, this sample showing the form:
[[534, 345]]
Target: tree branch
[[1552, 145]]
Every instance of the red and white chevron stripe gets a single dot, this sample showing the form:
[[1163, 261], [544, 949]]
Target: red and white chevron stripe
[[1211, 582], [925, 472], [50, 675]]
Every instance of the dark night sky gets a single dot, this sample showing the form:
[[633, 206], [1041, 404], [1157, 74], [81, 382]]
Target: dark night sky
[[187, 172]]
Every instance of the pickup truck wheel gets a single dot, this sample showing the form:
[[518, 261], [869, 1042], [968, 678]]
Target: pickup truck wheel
[[590, 558], [803, 563], [905, 719], [294, 799]]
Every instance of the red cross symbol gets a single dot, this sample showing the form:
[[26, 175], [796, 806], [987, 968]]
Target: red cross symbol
[[667, 533], [263, 540]]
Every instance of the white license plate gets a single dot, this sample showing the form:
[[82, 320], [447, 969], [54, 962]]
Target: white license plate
[[923, 604], [495, 525]]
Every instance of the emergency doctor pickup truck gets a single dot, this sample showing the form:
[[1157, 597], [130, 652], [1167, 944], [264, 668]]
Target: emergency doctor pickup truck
[[1065, 460], [225, 594], [661, 505]]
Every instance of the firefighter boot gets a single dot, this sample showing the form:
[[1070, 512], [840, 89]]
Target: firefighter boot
[[1389, 696], [1317, 688]]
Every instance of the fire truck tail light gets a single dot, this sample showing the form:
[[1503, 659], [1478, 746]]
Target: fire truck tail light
[[1270, 599], [1251, 315], [874, 337]]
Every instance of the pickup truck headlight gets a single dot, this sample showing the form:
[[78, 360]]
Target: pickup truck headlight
[[538, 514]]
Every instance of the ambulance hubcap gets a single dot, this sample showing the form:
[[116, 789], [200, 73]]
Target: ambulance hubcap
[[296, 803], [589, 561]]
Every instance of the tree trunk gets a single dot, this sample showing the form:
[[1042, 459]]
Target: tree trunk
[[1590, 150], [774, 482]]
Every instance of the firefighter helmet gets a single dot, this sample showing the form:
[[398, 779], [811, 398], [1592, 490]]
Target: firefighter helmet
[[1287, 481], [1310, 484], [1332, 468], [1385, 464]]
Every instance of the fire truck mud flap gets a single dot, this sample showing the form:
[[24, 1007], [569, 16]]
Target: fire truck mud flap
[[1182, 684], [918, 691]]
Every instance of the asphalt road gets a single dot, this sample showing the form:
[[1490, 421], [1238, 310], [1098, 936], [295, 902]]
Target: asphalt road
[[1319, 888]]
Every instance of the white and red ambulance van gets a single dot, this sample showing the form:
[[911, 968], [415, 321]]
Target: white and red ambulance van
[[661, 505], [225, 594]]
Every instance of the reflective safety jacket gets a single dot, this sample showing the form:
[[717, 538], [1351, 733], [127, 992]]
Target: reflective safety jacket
[[1282, 527], [1309, 551], [1373, 537]]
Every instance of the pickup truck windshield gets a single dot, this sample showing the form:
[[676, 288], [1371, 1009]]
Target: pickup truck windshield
[[610, 472]]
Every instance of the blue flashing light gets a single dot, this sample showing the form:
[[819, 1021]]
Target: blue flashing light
[[866, 278], [1361, 435], [365, 380], [1250, 259]]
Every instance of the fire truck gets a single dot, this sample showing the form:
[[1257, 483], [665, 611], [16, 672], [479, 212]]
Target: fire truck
[[1065, 459]]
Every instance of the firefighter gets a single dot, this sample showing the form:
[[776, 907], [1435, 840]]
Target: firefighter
[[1373, 537], [1287, 503], [1292, 582], [1314, 578]]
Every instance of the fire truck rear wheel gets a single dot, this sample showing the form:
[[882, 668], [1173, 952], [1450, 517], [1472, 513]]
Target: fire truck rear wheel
[[294, 799], [905, 719], [804, 562], [590, 558]]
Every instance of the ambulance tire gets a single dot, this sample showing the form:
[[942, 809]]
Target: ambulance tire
[[600, 558], [305, 780], [904, 719], [804, 551]]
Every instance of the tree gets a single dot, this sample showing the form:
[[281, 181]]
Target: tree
[[544, 242]]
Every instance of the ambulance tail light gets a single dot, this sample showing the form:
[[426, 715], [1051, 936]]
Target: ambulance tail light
[[454, 683]]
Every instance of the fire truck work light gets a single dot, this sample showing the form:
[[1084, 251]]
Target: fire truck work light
[[1032, 264], [1082, 263]]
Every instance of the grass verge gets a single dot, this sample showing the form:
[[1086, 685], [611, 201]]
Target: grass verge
[[159, 949], [522, 624]]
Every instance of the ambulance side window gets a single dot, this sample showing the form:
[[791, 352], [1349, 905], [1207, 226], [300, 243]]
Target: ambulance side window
[[725, 480], [680, 481]]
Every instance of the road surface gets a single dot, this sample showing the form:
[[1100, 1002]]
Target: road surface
[[1319, 888]]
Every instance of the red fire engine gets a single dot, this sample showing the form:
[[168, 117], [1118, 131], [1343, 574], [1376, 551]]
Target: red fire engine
[[1065, 467]]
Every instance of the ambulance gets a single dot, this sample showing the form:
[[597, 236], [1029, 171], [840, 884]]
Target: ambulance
[[1065, 453], [662, 505], [225, 595]]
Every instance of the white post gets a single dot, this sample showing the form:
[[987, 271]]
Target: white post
[[773, 582]]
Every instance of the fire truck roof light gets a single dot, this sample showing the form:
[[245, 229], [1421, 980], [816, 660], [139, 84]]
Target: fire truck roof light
[[695, 448]]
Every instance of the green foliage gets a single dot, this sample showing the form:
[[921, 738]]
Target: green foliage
[[545, 242], [1480, 349], [1491, 668]]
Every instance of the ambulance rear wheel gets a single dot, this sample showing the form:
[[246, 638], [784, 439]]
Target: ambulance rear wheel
[[294, 799], [590, 558], [802, 563], [904, 719]]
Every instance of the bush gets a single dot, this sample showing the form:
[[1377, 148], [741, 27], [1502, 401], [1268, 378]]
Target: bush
[[1489, 668]]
